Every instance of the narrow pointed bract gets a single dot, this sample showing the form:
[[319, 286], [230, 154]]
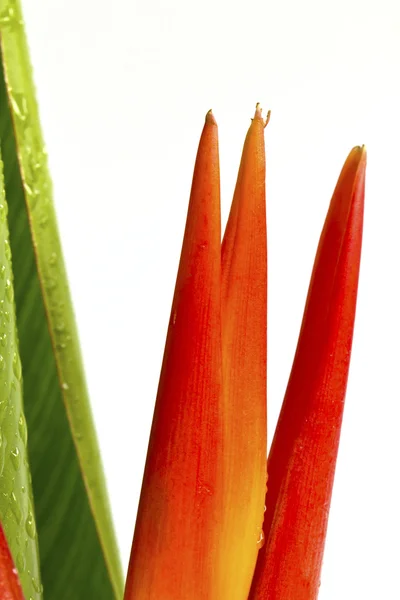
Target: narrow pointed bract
[[10, 587], [199, 525], [178, 525], [244, 323], [301, 463]]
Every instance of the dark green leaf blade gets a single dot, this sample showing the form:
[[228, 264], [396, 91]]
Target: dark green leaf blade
[[79, 555]]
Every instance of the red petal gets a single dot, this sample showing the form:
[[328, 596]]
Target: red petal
[[177, 530], [302, 460], [10, 587], [244, 345]]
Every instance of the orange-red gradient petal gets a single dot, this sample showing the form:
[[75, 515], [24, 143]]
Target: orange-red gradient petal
[[10, 587], [302, 460], [178, 524], [244, 348]]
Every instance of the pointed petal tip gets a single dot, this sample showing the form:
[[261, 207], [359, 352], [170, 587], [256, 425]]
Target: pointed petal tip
[[258, 114], [358, 152], [210, 117], [359, 155], [356, 161], [363, 156]]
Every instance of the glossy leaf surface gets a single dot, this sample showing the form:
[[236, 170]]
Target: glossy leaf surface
[[16, 505], [79, 555]]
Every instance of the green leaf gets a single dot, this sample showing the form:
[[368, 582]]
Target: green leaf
[[78, 550], [16, 506]]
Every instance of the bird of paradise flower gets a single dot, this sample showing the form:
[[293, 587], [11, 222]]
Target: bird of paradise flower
[[207, 527]]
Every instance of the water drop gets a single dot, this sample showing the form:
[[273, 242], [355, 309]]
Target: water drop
[[37, 585], [43, 221], [59, 327], [65, 386], [3, 405], [261, 540], [3, 271], [7, 316], [7, 249], [2, 363], [28, 189], [53, 259], [23, 430], [30, 524], [9, 18], [21, 562], [50, 283], [16, 458], [17, 366], [19, 105], [15, 508], [3, 212], [3, 339], [9, 291]]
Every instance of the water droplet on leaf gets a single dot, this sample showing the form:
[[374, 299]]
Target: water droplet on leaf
[[15, 508], [23, 430], [9, 291], [37, 585], [15, 458], [7, 249], [21, 562], [17, 366], [30, 524]]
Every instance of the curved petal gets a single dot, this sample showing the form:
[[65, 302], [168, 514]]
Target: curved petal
[[244, 347], [177, 529], [302, 460]]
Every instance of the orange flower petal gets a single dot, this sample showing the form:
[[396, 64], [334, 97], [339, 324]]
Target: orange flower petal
[[10, 587], [302, 460], [244, 324], [177, 530]]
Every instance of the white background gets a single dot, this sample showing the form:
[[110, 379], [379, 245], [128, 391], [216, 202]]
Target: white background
[[123, 88]]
